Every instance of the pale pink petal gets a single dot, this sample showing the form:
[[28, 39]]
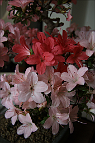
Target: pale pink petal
[[3, 39], [55, 128], [28, 118], [38, 97], [70, 86], [72, 70], [28, 71], [65, 101], [22, 97], [41, 86], [80, 81], [84, 43], [1, 34], [89, 53], [20, 130], [48, 123], [27, 132], [62, 118], [34, 128], [65, 76], [13, 119], [32, 78], [25, 119], [9, 113], [69, 16], [82, 71]]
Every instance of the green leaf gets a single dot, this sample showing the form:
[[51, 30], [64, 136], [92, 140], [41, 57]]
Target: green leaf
[[44, 119], [31, 51]]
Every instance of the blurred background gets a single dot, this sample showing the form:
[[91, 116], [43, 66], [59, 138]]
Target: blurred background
[[83, 14]]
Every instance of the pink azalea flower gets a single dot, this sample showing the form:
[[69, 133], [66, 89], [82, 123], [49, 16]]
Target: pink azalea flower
[[72, 117], [89, 77], [3, 56], [8, 93], [12, 112], [2, 39], [55, 119], [20, 77], [69, 17], [47, 77], [91, 48], [5, 89], [29, 104], [28, 126], [32, 88], [6, 26], [74, 76], [62, 96], [20, 3], [22, 50]]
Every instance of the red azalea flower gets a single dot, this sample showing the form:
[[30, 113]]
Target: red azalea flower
[[22, 50], [48, 44], [77, 56], [41, 59], [66, 44]]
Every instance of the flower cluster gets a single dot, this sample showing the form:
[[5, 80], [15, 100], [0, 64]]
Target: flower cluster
[[10, 35], [62, 85]]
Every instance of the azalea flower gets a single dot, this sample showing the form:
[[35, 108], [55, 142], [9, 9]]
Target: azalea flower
[[12, 112], [89, 77], [66, 43], [8, 93], [91, 40], [48, 78], [55, 119], [41, 59], [6, 26], [29, 104], [20, 3], [72, 117], [62, 96], [74, 76], [2, 39], [22, 50], [69, 17], [28, 126], [77, 56], [3, 56], [20, 77], [32, 88]]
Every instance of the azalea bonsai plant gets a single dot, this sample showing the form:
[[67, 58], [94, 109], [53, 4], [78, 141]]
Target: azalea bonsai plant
[[61, 86]]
